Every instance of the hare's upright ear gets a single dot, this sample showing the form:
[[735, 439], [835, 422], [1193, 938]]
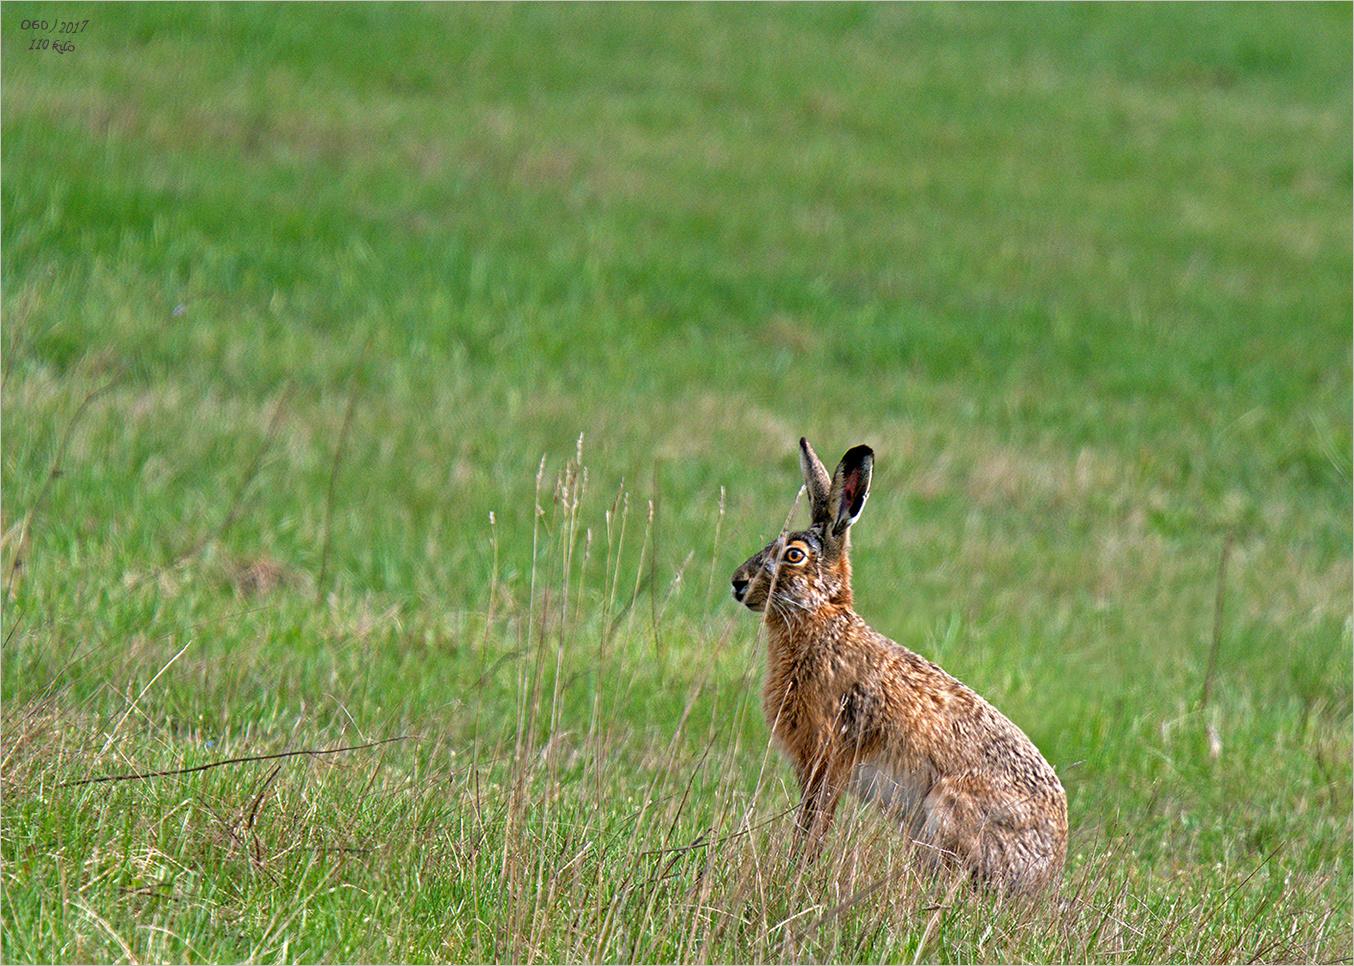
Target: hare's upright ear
[[815, 481], [850, 489]]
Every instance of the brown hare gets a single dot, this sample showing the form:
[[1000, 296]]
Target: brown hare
[[853, 709]]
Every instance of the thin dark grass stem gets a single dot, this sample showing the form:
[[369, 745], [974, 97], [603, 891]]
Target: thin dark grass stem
[[237, 501], [333, 480], [53, 472], [1218, 601], [306, 752]]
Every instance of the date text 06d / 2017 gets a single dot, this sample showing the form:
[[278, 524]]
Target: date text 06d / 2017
[[55, 26]]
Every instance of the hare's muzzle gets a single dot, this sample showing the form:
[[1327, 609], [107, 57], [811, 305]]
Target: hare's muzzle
[[749, 581]]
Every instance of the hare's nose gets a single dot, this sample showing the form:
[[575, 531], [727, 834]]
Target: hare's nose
[[740, 588]]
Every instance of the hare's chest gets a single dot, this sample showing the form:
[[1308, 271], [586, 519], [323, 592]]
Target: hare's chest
[[787, 704], [821, 702]]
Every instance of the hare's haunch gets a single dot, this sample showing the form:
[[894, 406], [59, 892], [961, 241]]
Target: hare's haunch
[[853, 709]]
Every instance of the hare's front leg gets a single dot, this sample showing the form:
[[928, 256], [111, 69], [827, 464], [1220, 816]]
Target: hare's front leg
[[821, 784]]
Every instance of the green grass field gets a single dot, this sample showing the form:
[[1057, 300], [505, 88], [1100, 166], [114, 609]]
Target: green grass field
[[418, 375]]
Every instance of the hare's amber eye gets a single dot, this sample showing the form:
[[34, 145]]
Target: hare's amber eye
[[794, 555]]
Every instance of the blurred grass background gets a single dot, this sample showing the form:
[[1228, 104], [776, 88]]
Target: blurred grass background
[[296, 297]]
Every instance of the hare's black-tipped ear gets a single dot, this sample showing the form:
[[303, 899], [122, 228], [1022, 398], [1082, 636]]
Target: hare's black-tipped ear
[[850, 488], [816, 481]]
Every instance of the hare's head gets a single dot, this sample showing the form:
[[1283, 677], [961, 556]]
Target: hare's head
[[805, 570]]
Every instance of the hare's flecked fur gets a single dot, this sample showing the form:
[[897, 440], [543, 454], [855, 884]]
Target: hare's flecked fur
[[853, 709]]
